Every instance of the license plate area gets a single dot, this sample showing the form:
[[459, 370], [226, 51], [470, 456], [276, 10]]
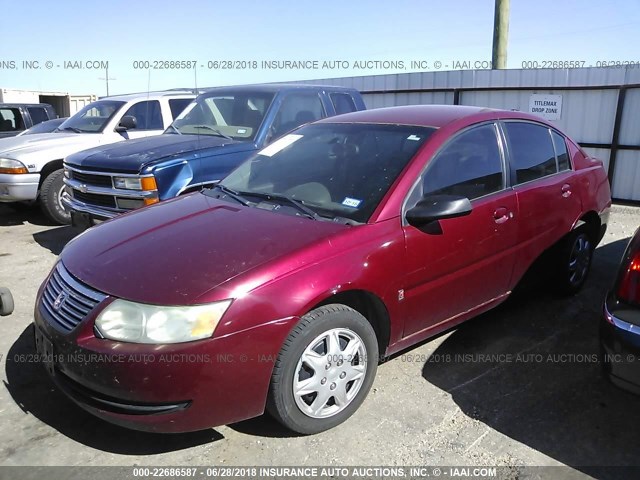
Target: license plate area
[[45, 350]]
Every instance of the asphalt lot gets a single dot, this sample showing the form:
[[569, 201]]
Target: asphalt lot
[[550, 407]]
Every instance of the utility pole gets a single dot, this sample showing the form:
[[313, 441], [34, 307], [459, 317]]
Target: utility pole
[[500, 34], [107, 78]]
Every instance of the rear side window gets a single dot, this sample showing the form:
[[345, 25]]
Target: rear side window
[[342, 102], [38, 114], [470, 165], [10, 120], [561, 151], [177, 105], [147, 115], [532, 153]]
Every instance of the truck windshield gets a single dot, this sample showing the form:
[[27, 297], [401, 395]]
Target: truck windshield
[[236, 115], [92, 118], [340, 171]]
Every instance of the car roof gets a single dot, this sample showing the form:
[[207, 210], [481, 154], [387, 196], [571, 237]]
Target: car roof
[[425, 115], [151, 95], [278, 87], [15, 105]]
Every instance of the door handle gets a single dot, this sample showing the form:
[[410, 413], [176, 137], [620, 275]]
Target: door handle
[[501, 215], [566, 190]]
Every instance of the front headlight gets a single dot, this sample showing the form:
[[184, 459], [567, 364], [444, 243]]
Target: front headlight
[[135, 183], [8, 165], [140, 323]]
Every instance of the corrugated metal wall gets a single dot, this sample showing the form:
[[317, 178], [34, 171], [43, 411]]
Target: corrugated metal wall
[[590, 105]]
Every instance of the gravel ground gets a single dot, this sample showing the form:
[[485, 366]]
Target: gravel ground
[[527, 393]]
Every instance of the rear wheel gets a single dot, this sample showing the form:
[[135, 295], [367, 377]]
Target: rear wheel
[[51, 198], [324, 370], [573, 262]]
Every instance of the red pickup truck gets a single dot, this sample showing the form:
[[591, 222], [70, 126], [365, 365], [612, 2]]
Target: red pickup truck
[[348, 239]]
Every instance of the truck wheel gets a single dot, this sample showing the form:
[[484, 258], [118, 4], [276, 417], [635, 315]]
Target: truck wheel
[[324, 370], [6, 302], [50, 198], [573, 262]]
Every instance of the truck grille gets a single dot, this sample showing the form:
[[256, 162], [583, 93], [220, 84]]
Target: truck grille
[[66, 301], [95, 199], [90, 179]]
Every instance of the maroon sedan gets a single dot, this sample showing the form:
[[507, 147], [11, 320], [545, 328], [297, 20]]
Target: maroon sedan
[[346, 240]]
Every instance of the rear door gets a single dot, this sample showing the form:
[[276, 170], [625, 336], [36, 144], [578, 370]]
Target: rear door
[[545, 187], [462, 263]]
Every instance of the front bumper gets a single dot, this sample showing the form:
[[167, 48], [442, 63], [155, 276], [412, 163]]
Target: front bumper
[[18, 188], [93, 213], [620, 349], [163, 388]]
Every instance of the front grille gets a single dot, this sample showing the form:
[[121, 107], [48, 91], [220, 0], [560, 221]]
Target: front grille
[[90, 179], [95, 199], [66, 301]]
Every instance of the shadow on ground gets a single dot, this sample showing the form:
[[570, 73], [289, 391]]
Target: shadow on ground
[[552, 397], [20, 214], [56, 238], [33, 391]]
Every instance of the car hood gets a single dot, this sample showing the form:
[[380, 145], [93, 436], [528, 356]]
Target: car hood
[[174, 252], [133, 155], [26, 145]]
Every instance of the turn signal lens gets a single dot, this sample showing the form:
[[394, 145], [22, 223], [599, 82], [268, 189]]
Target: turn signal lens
[[151, 201], [149, 183], [10, 166]]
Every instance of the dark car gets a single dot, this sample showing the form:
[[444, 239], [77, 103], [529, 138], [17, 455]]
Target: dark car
[[349, 238], [620, 325], [18, 117]]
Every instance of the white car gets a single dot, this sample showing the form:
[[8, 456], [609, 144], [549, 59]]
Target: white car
[[31, 165]]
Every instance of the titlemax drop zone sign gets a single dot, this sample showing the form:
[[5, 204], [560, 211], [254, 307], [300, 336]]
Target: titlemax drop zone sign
[[548, 107]]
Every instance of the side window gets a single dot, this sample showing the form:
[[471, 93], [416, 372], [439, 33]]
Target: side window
[[561, 151], [147, 114], [342, 102], [532, 153], [10, 120], [470, 165], [177, 105], [297, 109], [38, 114]]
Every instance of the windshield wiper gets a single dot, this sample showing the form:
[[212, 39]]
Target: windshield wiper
[[231, 193], [216, 131], [298, 204], [177, 131], [73, 129]]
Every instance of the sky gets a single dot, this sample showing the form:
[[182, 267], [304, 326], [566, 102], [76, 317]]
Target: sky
[[54, 39]]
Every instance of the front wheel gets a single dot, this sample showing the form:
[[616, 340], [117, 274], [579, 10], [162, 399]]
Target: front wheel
[[573, 262], [51, 198], [324, 370]]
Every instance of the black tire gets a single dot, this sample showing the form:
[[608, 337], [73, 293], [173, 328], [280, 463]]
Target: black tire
[[282, 403], [572, 262], [50, 198], [6, 302]]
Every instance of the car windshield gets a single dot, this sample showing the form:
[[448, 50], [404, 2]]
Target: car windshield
[[236, 115], [93, 118], [337, 170]]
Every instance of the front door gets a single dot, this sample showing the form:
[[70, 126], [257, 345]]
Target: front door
[[462, 263]]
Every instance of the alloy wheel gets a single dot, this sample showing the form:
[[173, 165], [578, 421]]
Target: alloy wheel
[[329, 373]]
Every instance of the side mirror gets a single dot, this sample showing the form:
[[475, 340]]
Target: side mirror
[[438, 207], [127, 123]]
